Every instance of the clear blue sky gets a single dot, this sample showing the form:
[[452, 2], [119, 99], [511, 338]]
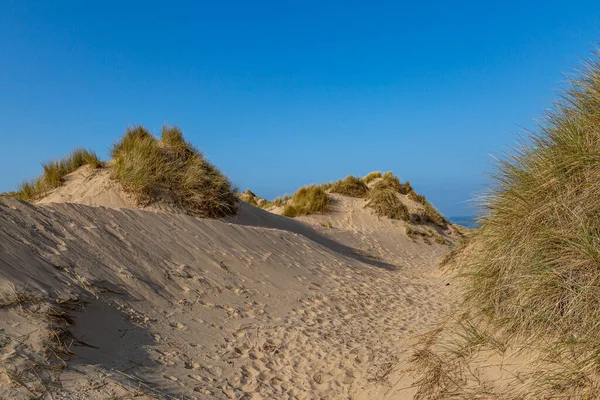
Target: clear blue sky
[[279, 94]]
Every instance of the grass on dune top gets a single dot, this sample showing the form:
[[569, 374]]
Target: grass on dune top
[[350, 186], [384, 197], [146, 165], [308, 200], [54, 173]]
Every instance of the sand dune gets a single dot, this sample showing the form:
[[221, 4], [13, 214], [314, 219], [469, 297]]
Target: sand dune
[[100, 302]]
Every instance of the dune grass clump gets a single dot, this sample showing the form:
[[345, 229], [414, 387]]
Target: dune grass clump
[[384, 198], [139, 164], [307, 200], [54, 173], [172, 136], [350, 186], [371, 176], [145, 165], [385, 201], [532, 268]]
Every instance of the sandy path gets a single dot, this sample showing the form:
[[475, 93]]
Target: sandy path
[[174, 307]]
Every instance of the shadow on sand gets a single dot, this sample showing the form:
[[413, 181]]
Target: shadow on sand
[[253, 216]]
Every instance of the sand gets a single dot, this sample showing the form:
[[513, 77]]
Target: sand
[[113, 301]]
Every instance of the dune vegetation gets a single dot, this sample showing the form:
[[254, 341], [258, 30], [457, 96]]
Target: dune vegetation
[[249, 197], [145, 165], [350, 186], [371, 176], [307, 200], [384, 193], [54, 173], [385, 201], [530, 272]]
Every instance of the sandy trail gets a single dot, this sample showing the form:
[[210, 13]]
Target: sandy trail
[[170, 306]]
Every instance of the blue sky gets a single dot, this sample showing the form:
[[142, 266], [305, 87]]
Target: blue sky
[[280, 94]]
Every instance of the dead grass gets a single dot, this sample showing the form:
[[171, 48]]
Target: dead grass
[[308, 200], [350, 186], [54, 173], [531, 269], [145, 166]]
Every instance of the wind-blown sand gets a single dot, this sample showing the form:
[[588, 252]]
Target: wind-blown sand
[[171, 306]]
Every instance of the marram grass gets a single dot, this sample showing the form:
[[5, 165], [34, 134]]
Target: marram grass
[[532, 270], [145, 165], [307, 200], [54, 173]]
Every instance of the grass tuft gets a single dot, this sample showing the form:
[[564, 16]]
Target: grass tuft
[[350, 186], [307, 200], [172, 136], [54, 173], [139, 164], [145, 166], [371, 176], [384, 198]]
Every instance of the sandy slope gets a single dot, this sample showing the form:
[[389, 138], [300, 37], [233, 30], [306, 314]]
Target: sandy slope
[[172, 306]]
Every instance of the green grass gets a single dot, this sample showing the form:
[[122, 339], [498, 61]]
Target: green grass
[[532, 269], [145, 165], [54, 173], [307, 200], [350, 186]]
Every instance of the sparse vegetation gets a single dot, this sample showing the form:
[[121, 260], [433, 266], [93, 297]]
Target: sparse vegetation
[[350, 186], [426, 235], [54, 173], [307, 200], [277, 202], [531, 269], [145, 165]]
